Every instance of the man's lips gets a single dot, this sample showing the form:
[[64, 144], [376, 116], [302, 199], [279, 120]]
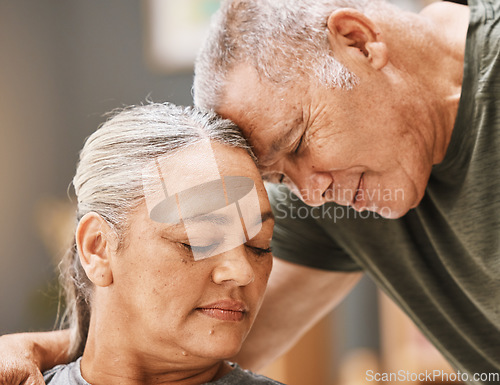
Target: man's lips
[[224, 310], [358, 189]]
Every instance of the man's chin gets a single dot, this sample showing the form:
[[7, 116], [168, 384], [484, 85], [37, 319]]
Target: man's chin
[[398, 209], [387, 211], [392, 214]]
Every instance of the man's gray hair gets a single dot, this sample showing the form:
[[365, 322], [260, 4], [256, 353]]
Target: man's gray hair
[[282, 39], [108, 181]]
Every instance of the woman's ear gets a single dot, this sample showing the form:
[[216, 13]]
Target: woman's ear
[[354, 38], [96, 240]]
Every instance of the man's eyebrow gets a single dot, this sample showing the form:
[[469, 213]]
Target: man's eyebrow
[[267, 215], [265, 177], [269, 177], [224, 219]]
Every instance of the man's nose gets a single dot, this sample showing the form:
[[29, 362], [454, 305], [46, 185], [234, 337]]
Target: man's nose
[[233, 267], [309, 186]]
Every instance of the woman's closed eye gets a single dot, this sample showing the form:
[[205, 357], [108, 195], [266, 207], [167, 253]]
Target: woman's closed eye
[[259, 250]]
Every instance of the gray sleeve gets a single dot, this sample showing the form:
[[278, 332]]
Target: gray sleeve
[[298, 237], [65, 375], [239, 376]]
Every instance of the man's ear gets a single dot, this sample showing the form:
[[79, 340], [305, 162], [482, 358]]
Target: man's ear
[[354, 36], [96, 240]]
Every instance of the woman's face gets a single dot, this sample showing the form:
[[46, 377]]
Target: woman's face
[[178, 289]]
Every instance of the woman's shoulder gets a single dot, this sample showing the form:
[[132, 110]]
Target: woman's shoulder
[[65, 375], [244, 377]]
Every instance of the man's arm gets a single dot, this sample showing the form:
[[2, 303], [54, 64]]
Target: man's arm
[[24, 355], [297, 297]]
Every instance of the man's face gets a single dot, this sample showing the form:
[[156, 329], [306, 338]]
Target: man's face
[[357, 147]]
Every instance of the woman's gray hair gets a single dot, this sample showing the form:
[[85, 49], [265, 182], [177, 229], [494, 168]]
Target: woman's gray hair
[[282, 39], [108, 181]]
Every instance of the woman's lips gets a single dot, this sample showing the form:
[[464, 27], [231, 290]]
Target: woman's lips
[[223, 315], [225, 310]]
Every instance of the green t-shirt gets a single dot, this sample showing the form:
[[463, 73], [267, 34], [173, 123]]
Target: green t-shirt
[[440, 262]]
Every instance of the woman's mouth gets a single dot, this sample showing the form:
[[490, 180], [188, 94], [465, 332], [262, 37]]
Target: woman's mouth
[[225, 310]]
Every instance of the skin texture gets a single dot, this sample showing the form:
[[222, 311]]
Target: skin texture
[[372, 147], [392, 128], [147, 325]]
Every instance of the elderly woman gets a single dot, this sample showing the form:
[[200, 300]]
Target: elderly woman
[[171, 255]]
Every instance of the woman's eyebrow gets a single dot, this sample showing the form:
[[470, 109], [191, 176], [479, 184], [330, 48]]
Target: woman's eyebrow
[[218, 219], [181, 229], [174, 231]]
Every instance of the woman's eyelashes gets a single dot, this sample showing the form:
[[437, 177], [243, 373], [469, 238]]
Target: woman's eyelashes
[[210, 250], [259, 250]]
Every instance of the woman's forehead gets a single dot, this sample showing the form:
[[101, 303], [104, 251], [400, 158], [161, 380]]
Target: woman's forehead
[[190, 187]]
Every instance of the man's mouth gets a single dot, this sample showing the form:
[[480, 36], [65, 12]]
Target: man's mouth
[[328, 194], [358, 189]]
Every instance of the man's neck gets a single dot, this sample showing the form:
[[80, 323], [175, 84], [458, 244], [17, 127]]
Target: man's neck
[[428, 53], [448, 24]]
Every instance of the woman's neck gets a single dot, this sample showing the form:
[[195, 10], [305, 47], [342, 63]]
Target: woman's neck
[[123, 372], [111, 358]]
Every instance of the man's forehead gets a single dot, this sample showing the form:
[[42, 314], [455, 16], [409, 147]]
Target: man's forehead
[[264, 138], [248, 100], [268, 117]]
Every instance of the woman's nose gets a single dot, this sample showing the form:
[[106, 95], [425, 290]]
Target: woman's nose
[[233, 266]]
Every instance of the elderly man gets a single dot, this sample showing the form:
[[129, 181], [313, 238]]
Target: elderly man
[[386, 124], [369, 107]]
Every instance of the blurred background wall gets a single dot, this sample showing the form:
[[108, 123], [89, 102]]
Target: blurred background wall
[[62, 65]]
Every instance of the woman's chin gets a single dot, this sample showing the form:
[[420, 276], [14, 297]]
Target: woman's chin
[[221, 350]]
